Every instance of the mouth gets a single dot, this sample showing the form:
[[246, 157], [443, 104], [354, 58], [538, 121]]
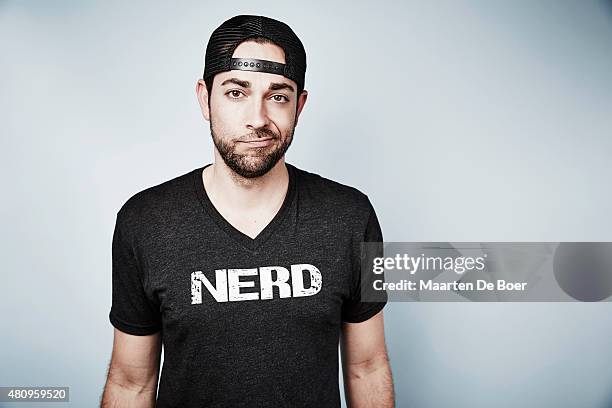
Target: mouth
[[262, 142]]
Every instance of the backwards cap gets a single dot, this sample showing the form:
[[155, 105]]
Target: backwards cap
[[232, 32]]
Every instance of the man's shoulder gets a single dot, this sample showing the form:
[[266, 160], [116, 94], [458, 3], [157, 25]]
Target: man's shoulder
[[156, 198], [330, 192]]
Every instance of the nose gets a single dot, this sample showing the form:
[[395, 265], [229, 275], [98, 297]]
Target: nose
[[258, 116]]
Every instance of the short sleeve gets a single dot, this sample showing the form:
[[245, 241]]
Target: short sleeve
[[353, 309], [131, 311]]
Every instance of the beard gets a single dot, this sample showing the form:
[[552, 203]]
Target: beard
[[259, 160]]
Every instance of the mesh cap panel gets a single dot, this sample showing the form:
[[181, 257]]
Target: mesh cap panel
[[232, 32]]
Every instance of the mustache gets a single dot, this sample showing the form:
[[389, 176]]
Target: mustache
[[258, 134]]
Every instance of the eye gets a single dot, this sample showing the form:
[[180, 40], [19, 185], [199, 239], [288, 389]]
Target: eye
[[283, 98], [234, 93]]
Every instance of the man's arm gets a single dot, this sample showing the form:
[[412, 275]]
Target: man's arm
[[133, 372], [367, 373]]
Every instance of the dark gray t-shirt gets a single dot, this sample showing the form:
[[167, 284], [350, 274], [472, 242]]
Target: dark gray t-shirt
[[245, 322]]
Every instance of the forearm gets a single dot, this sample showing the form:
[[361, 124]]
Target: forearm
[[369, 384], [121, 391]]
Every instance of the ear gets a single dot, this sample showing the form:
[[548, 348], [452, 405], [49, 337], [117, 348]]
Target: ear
[[202, 95], [300, 104]]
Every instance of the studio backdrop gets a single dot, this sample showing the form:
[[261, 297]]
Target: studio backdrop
[[462, 121]]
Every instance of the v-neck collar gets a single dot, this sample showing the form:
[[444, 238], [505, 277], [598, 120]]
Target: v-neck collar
[[252, 244]]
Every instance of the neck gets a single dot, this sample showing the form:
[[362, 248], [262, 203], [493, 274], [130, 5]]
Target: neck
[[231, 190]]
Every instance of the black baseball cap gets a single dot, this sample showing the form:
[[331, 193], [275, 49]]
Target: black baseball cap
[[224, 40]]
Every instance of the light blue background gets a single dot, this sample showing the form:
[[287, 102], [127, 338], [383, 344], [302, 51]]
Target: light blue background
[[462, 121]]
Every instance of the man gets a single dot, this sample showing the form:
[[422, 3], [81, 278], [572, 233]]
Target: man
[[248, 269]]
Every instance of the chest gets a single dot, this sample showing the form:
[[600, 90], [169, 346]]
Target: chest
[[208, 284]]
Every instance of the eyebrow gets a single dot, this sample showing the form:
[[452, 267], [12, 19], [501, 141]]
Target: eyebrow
[[274, 86]]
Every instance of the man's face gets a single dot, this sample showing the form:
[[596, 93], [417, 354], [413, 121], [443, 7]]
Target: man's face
[[252, 114]]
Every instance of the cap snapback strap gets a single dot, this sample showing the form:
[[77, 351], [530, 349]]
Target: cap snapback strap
[[252, 64]]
